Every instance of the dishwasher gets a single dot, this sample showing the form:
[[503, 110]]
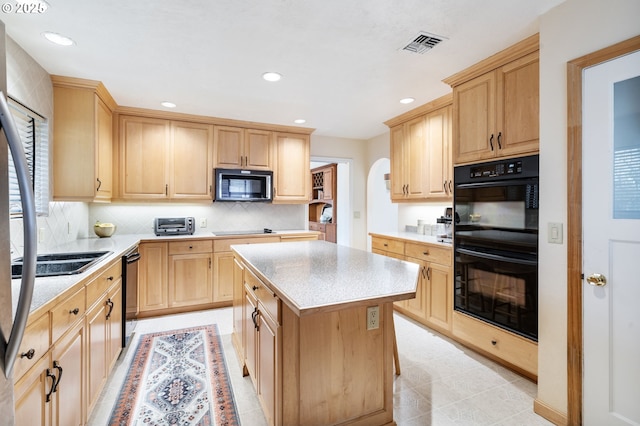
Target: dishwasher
[[129, 293]]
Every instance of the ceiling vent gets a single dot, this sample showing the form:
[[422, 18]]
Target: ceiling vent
[[423, 42]]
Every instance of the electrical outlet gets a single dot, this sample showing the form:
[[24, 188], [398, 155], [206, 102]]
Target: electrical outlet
[[203, 222], [373, 317], [40, 235]]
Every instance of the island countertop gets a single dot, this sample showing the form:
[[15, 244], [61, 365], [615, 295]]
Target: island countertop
[[315, 276]]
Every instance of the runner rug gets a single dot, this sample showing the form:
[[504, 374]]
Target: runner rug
[[177, 377]]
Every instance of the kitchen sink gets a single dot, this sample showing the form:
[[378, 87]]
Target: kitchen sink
[[49, 265]]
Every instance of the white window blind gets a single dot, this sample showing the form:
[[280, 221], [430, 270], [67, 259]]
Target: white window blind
[[34, 134]]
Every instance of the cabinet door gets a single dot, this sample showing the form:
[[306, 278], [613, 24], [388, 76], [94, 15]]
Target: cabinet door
[[417, 305], [223, 271], [438, 157], [104, 161], [257, 150], [328, 184], [191, 168], [268, 369], [68, 400], [250, 334], [114, 325], [190, 279], [415, 140], [518, 106], [30, 392], [152, 277], [474, 114], [229, 143], [144, 157], [439, 291], [398, 178], [292, 168], [96, 351]]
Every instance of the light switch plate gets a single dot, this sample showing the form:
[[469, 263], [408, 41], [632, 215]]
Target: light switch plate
[[554, 233]]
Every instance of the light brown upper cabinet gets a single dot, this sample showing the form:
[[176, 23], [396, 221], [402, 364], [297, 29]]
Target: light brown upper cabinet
[[238, 148], [82, 140], [421, 167], [496, 105], [291, 168], [164, 159]]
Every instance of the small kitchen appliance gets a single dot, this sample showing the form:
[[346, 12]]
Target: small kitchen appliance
[[445, 234], [174, 226]]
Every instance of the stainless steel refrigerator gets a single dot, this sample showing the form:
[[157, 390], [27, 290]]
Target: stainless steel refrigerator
[[13, 322]]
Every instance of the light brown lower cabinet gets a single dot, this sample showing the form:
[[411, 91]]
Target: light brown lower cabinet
[[68, 351], [190, 273]]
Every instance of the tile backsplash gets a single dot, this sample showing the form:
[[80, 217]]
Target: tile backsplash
[[69, 221], [138, 218]]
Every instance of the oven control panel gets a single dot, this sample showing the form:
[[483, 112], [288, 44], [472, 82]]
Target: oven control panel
[[496, 169]]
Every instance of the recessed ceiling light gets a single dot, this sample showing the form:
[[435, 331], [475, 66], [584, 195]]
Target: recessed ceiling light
[[272, 76], [58, 39], [300, 121], [168, 104], [406, 100]]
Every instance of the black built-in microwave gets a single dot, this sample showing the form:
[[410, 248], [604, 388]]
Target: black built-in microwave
[[243, 185]]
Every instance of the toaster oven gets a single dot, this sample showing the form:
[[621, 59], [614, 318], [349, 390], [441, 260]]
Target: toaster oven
[[174, 225]]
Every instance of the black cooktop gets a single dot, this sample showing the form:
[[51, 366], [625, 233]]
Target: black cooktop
[[251, 232]]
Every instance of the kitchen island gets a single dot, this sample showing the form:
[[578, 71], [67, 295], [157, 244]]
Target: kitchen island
[[313, 327]]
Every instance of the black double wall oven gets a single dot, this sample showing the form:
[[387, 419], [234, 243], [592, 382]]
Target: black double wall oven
[[496, 243]]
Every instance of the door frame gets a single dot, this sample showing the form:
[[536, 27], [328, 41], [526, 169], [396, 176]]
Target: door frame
[[574, 218]]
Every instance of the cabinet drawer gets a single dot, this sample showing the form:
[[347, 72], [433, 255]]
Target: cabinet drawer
[[388, 245], [35, 344], [190, 246], [267, 299], [99, 285], [509, 347], [66, 313], [292, 238], [225, 245], [315, 226], [429, 253]]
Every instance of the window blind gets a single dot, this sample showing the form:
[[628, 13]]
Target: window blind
[[34, 134]]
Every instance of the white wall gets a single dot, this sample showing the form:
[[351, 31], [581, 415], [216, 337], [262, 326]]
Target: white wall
[[573, 29]]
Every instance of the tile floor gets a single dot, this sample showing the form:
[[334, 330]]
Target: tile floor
[[442, 383]]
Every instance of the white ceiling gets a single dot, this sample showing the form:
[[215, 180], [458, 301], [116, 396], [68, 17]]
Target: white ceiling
[[342, 60]]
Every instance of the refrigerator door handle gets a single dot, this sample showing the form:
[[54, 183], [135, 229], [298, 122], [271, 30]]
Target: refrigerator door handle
[[12, 345]]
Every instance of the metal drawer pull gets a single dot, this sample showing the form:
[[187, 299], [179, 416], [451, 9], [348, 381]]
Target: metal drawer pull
[[110, 278], [491, 141], [255, 287], [426, 253], [29, 354], [110, 305], [57, 366], [53, 383], [75, 311]]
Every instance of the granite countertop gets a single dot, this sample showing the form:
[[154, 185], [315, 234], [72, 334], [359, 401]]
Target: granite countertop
[[412, 236], [313, 276], [48, 288]]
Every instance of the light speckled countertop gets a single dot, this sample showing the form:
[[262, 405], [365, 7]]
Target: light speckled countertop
[[48, 288], [412, 236], [313, 276]]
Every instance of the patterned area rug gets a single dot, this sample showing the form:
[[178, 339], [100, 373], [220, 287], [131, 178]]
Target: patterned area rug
[[177, 377]]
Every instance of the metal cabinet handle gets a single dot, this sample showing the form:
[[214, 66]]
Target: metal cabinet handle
[[110, 305], [110, 278], [254, 317], [29, 354], [491, 141], [451, 186], [99, 184], [500, 140], [74, 311], [57, 366], [53, 383], [255, 287], [429, 274], [425, 253]]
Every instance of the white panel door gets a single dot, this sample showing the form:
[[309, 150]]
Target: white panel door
[[611, 244]]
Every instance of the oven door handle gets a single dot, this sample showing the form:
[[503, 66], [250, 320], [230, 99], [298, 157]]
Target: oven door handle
[[133, 258], [498, 257]]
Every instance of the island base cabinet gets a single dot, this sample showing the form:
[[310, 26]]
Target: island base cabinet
[[334, 370]]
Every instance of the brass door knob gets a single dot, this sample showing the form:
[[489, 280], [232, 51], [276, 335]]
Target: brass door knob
[[597, 280]]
